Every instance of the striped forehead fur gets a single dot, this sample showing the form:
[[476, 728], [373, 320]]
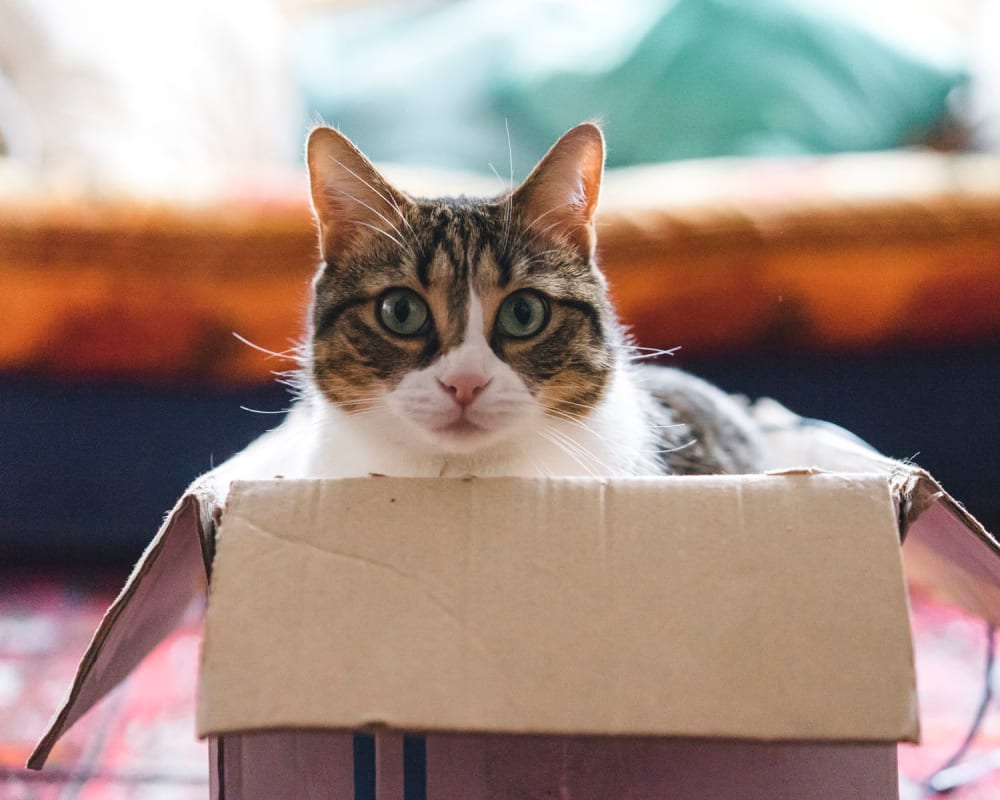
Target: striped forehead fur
[[445, 250]]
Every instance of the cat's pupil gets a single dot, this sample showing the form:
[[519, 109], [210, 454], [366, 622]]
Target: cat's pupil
[[402, 309], [522, 312]]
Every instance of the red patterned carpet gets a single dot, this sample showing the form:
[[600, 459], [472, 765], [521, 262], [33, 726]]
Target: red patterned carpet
[[140, 742]]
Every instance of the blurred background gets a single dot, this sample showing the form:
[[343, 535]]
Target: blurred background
[[803, 196]]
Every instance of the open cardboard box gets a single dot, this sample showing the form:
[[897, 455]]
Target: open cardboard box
[[730, 636]]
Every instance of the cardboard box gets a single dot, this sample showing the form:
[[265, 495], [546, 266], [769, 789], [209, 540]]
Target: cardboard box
[[730, 636]]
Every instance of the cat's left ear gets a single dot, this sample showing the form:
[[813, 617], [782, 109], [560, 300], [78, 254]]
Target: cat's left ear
[[560, 195], [350, 197]]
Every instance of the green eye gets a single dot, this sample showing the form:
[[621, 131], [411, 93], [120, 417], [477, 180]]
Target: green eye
[[402, 312], [523, 314]]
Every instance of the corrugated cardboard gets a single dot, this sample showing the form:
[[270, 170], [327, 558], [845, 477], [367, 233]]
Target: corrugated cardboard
[[684, 637], [170, 575], [708, 607]]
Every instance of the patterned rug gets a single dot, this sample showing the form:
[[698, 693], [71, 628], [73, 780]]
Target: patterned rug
[[139, 743]]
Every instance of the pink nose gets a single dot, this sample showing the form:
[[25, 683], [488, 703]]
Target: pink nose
[[464, 387]]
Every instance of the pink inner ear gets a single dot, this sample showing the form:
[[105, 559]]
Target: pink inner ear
[[560, 196], [349, 195]]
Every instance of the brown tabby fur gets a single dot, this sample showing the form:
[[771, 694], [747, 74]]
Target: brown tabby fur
[[375, 238], [449, 245]]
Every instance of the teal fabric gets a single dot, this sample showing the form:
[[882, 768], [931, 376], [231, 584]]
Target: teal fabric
[[683, 79]]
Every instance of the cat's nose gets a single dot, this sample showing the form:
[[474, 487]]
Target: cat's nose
[[464, 387]]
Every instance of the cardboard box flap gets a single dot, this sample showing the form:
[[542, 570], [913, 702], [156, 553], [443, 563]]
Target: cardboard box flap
[[694, 606], [168, 576], [947, 551]]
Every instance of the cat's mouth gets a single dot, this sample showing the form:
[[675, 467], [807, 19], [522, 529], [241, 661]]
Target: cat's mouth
[[461, 428]]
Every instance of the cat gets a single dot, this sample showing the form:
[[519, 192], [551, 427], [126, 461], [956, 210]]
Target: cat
[[476, 337]]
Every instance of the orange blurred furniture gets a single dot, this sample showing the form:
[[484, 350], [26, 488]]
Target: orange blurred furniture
[[843, 253]]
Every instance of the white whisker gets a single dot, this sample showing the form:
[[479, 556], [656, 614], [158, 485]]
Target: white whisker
[[571, 420], [544, 214], [387, 235], [573, 457], [547, 228], [580, 449], [257, 347], [503, 185], [351, 403], [401, 241], [666, 450], [637, 353], [584, 406], [390, 201], [259, 411], [510, 194]]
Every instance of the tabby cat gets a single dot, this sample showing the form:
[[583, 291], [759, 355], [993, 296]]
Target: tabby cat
[[476, 337]]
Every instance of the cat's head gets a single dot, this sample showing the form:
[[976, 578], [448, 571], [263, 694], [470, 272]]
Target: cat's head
[[461, 323]]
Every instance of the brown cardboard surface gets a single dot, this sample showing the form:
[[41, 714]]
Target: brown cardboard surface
[[170, 574], [949, 553], [762, 607]]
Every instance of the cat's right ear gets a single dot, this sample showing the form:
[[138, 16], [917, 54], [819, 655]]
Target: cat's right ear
[[350, 199]]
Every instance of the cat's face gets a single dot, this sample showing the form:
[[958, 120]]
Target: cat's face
[[469, 322]]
